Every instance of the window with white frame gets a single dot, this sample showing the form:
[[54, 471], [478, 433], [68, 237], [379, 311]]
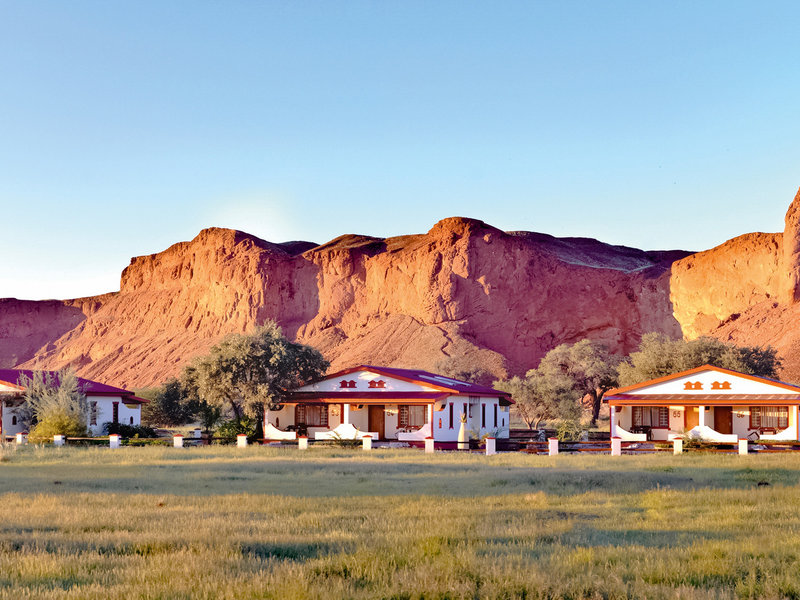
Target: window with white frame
[[311, 415], [769, 417], [651, 416], [412, 416]]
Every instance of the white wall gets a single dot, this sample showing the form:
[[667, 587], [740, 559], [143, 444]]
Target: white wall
[[677, 419], [440, 425], [8, 414], [442, 432], [281, 418], [105, 413], [740, 420]]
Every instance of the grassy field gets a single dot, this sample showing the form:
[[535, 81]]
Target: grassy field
[[278, 523]]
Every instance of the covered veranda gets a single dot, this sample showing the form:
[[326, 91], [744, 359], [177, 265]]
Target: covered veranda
[[392, 416], [707, 403]]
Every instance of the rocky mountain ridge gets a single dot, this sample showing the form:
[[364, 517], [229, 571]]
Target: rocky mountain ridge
[[463, 291]]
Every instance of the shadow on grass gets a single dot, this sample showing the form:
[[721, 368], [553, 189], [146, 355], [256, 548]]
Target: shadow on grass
[[295, 551], [357, 476]]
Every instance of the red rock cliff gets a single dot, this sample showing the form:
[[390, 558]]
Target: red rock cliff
[[464, 290]]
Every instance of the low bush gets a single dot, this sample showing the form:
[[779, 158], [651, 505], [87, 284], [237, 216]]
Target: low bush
[[228, 430], [569, 430], [129, 431], [57, 423]]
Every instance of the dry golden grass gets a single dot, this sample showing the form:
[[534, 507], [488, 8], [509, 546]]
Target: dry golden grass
[[327, 523]]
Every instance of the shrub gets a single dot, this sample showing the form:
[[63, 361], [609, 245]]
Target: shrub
[[341, 442], [569, 430], [228, 430], [53, 395], [129, 431], [57, 423]]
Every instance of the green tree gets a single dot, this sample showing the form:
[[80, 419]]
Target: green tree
[[54, 404], [541, 397], [659, 355], [245, 373], [168, 405], [455, 369], [590, 368]]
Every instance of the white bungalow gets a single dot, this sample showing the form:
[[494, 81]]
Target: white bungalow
[[390, 404], [707, 403], [106, 403]]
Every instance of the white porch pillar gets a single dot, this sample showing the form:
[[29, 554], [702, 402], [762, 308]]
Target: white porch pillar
[[616, 446], [430, 416], [346, 414], [702, 416], [797, 420], [613, 421]]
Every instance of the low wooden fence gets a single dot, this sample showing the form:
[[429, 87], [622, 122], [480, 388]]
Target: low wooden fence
[[654, 447], [615, 447]]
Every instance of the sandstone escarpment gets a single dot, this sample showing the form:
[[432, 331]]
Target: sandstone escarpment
[[758, 271], [464, 291], [746, 291], [708, 287], [791, 252]]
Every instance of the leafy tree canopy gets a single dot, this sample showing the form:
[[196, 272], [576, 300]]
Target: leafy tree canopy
[[659, 355], [247, 372], [168, 405], [55, 398], [455, 369], [538, 398], [587, 365]]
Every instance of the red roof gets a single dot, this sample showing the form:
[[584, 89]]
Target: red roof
[[703, 399], [629, 388], [87, 386], [439, 382]]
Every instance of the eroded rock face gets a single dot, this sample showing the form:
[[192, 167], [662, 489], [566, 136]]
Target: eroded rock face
[[791, 252], [708, 287], [746, 291], [755, 271], [465, 290]]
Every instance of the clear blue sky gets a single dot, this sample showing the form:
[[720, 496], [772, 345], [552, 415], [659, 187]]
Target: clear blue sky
[[128, 126]]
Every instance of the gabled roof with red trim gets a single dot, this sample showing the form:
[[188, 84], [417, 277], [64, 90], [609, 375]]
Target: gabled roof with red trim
[[88, 387], [631, 389], [425, 378]]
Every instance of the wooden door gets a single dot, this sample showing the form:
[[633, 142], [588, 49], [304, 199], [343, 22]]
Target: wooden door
[[376, 420], [691, 417], [723, 421]]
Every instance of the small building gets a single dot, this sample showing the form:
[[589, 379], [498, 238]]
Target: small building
[[706, 403], [106, 403], [406, 405]]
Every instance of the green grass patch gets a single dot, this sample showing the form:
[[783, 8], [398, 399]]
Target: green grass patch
[[263, 522]]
